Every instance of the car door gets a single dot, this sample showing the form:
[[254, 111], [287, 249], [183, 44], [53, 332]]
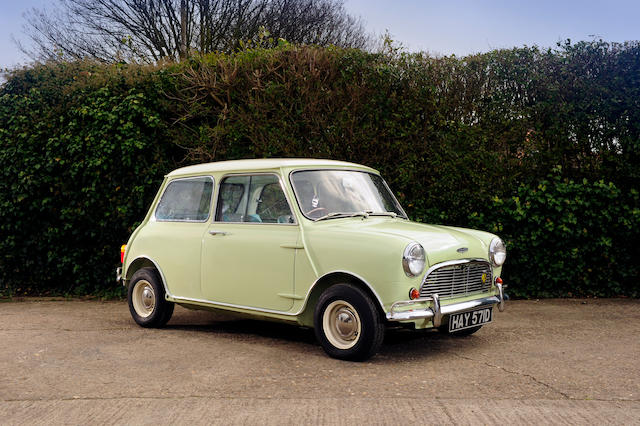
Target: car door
[[173, 237], [249, 250]]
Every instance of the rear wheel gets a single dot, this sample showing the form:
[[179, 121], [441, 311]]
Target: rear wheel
[[347, 323], [146, 299]]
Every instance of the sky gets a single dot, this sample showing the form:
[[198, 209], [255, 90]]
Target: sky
[[462, 27], [440, 27]]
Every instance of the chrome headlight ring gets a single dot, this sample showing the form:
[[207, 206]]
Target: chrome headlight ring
[[497, 252], [413, 259]]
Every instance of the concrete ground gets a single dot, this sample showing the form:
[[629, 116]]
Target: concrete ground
[[548, 361]]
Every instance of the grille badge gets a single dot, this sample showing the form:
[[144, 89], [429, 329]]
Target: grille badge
[[462, 249]]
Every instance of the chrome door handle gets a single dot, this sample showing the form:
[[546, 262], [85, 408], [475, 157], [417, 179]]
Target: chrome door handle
[[212, 232]]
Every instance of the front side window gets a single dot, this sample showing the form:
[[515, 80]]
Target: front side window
[[339, 193], [255, 198], [187, 200]]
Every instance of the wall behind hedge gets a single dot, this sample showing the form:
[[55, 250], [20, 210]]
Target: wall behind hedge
[[541, 147]]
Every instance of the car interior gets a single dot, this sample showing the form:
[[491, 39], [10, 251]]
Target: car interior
[[254, 198]]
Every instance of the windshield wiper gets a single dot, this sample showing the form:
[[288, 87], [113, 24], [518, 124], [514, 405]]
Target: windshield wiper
[[333, 215], [365, 214], [392, 214]]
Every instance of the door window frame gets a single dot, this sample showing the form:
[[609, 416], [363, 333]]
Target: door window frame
[[282, 188]]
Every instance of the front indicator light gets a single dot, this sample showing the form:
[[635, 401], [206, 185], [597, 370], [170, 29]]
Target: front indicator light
[[414, 293]]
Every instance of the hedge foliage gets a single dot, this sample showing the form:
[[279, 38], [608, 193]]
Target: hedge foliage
[[541, 147], [80, 164]]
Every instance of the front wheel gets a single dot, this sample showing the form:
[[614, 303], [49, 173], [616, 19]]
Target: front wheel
[[147, 304], [347, 323]]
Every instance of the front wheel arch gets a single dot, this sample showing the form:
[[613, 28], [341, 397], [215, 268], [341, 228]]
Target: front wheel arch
[[328, 280], [347, 323]]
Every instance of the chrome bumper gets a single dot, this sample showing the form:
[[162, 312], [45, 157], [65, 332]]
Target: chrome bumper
[[437, 312], [118, 274]]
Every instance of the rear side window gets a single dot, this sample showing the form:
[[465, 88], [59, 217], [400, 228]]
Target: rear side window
[[186, 200]]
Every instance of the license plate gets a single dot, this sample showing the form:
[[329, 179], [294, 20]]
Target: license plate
[[469, 319]]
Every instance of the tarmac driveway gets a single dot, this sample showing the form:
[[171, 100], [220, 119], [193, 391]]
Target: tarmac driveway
[[548, 361]]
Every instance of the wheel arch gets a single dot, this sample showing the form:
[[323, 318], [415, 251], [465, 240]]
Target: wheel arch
[[330, 279], [145, 262]]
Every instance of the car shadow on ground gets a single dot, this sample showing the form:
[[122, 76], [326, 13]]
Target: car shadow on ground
[[402, 343], [252, 328], [399, 343]]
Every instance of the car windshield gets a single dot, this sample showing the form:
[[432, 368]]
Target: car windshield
[[325, 194]]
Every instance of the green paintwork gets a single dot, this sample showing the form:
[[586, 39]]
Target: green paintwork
[[248, 266], [269, 269]]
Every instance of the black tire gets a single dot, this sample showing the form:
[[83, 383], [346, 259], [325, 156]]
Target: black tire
[[146, 298], [461, 333], [358, 336]]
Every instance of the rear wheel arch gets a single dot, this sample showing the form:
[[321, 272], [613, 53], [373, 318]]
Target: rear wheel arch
[[146, 298], [145, 262]]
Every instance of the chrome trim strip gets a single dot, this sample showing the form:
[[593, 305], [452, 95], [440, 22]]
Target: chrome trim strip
[[272, 311], [250, 308], [436, 312], [269, 311], [231, 305], [213, 188], [254, 223]]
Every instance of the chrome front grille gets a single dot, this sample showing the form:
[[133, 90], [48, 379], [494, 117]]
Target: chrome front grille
[[459, 279]]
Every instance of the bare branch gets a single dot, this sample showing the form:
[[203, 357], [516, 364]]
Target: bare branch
[[152, 30]]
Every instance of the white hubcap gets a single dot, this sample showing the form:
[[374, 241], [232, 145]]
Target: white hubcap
[[341, 324], [144, 299]]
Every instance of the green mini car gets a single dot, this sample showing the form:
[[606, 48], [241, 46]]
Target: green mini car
[[319, 243]]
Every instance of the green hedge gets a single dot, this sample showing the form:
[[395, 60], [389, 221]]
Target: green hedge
[[80, 165], [541, 147], [568, 238]]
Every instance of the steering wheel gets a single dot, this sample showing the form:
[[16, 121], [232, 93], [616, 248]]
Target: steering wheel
[[317, 210]]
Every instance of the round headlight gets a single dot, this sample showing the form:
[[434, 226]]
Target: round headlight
[[497, 252], [413, 259]]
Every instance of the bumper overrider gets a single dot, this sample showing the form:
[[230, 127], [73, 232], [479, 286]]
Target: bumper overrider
[[402, 311]]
